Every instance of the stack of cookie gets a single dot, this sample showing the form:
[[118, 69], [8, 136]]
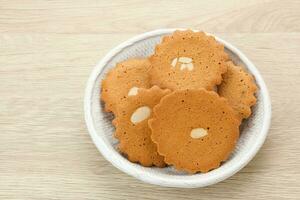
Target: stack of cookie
[[182, 106]]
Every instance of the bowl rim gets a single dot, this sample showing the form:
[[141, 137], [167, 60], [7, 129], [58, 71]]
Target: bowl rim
[[111, 154]]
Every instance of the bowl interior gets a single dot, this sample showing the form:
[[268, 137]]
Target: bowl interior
[[104, 129]]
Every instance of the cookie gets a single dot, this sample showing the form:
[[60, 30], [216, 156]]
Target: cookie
[[238, 88], [188, 60], [123, 81], [132, 128], [195, 130]]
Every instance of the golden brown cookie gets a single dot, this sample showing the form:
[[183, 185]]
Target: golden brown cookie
[[123, 81], [195, 130], [188, 60], [132, 129], [238, 88]]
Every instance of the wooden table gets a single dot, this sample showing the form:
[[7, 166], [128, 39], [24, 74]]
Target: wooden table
[[47, 51]]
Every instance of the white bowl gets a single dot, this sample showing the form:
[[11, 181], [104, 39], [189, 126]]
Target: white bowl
[[253, 131]]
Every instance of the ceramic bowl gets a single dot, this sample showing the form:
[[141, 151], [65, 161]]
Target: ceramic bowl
[[253, 131]]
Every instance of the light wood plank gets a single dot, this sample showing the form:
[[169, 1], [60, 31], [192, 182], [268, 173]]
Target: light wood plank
[[47, 51]]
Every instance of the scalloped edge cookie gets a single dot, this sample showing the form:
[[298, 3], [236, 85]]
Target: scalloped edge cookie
[[123, 81], [239, 88], [132, 128], [188, 60], [195, 130]]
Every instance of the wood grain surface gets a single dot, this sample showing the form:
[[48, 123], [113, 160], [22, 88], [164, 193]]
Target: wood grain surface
[[47, 51]]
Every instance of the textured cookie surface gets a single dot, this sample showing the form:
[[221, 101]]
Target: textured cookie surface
[[132, 128], [238, 88], [195, 130], [123, 81], [188, 60]]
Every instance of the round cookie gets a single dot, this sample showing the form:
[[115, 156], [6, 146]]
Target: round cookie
[[123, 81], [132, 128], [188, 60], [195, 130], [238, 88]]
